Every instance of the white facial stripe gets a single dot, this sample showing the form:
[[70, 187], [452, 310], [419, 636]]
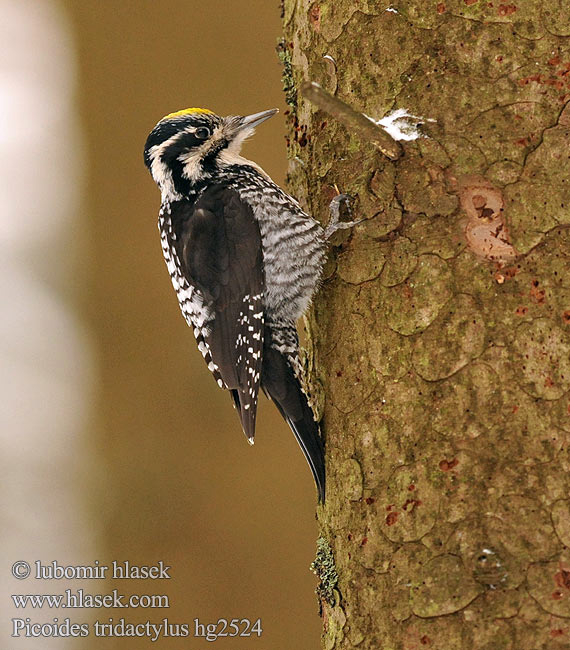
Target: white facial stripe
[[160, 172], [192, 160], [159, 149], [192, 164], [163, 178]]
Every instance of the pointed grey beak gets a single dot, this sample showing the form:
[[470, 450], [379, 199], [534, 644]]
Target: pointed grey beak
[[251, 121]]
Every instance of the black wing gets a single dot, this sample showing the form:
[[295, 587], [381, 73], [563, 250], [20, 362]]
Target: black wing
[[220, 253]]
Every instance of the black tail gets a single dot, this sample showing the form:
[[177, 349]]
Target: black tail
[[279, 382], [247, 410]]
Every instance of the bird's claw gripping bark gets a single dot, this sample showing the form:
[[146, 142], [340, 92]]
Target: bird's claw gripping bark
[[340, 206]]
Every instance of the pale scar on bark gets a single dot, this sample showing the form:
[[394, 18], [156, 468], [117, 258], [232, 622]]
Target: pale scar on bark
[[485, 228]]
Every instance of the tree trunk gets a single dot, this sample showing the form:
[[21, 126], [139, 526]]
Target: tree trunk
[[439, 344]]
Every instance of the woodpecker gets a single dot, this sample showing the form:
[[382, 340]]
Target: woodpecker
[[244, 260]]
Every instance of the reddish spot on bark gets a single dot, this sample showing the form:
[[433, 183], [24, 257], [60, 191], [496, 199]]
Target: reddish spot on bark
[[411, 487], [557, 632], [536, 294], [413, 503], [392, 518], [446, 465], [440, 8], [499, 59], [506, 10], [526, 80], [339, 373], [548, 382], [470, 2], [370, 500], [545, 81], [349, 537], [521, 311], [523, 142], [515, 409], [562, 579], [364, 541], [566, 316], [389, 508], [425, 640], [315, 17], [557, 83], [511, 271], [407, 290], [555, 60], [557, 595]]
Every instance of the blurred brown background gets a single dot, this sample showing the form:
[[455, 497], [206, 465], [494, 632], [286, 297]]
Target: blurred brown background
[[166, 473]]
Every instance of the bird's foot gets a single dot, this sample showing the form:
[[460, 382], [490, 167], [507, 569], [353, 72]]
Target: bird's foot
[[340, 206]]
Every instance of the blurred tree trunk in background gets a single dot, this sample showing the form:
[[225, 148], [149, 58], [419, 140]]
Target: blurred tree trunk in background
[[441, 336]]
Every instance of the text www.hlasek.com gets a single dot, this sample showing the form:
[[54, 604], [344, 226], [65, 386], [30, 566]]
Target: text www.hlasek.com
[[79, 599]]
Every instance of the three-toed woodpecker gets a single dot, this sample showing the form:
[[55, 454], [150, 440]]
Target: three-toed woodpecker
[[244, 260]]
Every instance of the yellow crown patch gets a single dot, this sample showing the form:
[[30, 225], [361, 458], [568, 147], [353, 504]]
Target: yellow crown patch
[[188, 111]]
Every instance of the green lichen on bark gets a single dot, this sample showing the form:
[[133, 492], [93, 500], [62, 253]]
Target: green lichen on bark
[[289, 87], [324, 568], [441, 336]]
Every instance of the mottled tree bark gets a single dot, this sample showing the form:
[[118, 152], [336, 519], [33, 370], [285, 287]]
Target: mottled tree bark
[[439, 344]]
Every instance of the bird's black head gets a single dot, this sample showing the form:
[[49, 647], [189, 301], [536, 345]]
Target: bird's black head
[[186, 149]]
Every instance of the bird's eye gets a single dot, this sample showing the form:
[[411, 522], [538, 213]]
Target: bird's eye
[[203, 132]]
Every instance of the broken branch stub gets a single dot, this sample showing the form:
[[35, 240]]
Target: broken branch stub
[[353, 120]]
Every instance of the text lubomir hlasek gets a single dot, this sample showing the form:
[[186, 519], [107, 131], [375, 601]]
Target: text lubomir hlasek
[[96, 571]]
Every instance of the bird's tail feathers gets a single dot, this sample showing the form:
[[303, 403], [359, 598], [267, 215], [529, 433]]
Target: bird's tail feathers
[[281, 385], [247, 411]]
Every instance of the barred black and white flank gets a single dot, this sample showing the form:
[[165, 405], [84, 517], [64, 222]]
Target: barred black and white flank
[[244, 260]]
